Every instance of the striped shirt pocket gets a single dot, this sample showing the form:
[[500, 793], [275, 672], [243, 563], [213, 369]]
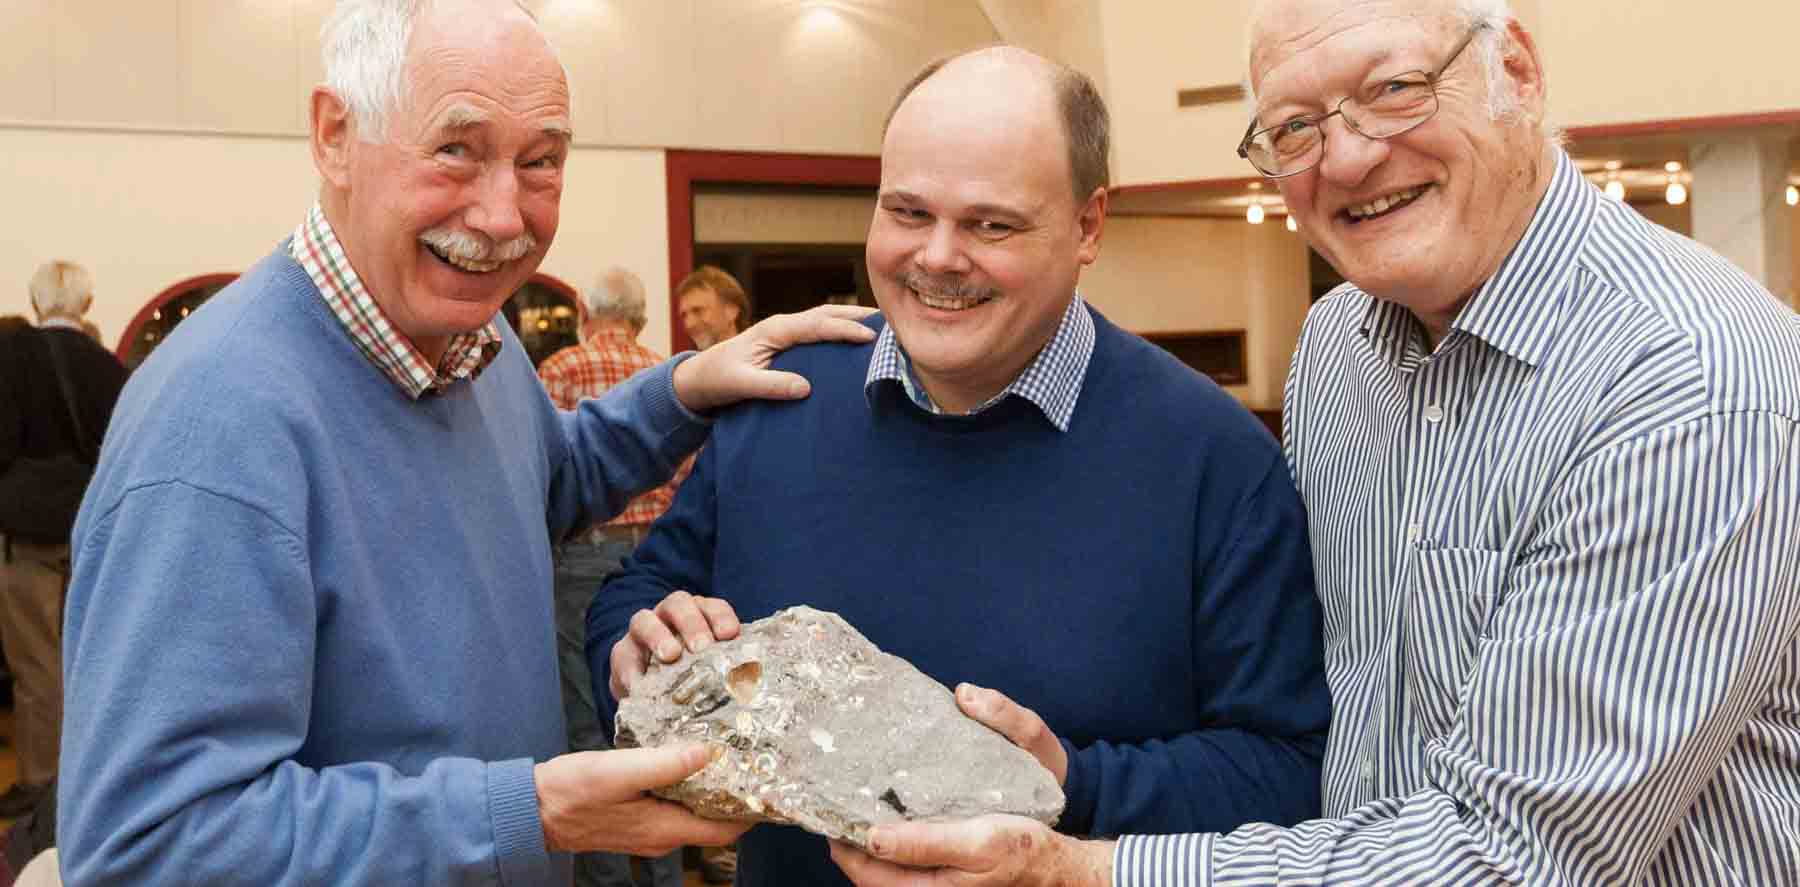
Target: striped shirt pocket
[[1452, 597]]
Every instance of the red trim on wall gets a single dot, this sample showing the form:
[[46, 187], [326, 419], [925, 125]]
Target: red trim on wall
[[1790, 117], [1222, 184], [160, 299], [685, 169]]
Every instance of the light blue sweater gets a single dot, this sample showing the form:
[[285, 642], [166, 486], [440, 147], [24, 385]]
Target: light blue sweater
[[309, 635]]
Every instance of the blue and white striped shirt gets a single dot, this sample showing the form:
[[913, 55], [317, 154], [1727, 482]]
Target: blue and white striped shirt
[[1051, 382], [1559, 557]]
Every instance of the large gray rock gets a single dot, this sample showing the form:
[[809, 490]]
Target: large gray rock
[[816, 727]]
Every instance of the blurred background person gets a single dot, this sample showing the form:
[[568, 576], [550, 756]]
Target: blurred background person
[[607, 355], [714, 306], [57, 389]]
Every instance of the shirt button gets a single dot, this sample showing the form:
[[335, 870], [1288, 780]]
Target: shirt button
[[1414, 532], [1434, 414], [1368, 770]]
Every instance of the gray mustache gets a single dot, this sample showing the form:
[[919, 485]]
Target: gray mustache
[[474, 247], [944, 286]]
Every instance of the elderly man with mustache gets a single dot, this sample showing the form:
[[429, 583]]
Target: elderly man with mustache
[[309, 635]]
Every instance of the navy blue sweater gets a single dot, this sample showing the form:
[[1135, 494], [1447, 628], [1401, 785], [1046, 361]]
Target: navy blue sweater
[[1143, 580]]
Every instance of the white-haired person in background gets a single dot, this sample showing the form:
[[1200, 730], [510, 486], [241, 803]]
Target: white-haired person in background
[[1550, 455], [607, 355], [310, 635], [57, 389]]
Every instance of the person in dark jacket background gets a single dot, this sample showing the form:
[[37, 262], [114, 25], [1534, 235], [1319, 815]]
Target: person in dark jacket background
[[57, 389]]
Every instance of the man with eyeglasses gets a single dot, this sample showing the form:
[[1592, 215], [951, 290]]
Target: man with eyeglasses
[[1550, 455]]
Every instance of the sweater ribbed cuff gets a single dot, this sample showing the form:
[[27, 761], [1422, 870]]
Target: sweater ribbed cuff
[[665, 388], [518, 829], [1080, 785]]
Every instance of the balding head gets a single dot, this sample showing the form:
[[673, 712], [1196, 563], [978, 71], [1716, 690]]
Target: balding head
[[1061, 90]]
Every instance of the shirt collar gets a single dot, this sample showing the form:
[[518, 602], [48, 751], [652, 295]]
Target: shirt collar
[[612, 337], [60, 322], [1051, 382], [316, 247], [1515, 309]]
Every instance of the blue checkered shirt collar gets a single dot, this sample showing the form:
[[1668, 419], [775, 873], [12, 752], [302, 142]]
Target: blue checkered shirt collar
[[1051, 382]]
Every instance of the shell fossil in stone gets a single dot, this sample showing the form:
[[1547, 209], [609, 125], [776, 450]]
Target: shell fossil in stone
[[819, 728]]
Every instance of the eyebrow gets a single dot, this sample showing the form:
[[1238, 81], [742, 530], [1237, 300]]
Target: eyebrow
[[462, 116], [1016, 214], [1368, 67], [559, 129]]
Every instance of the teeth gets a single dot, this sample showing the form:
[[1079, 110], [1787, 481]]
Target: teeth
[[946, 304], [475, 266], [472, 265], [1382, 204]]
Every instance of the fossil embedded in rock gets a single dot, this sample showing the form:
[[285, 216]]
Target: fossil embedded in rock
[[821, 729]]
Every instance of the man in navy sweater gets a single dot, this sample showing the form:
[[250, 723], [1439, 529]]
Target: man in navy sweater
[[1007, 490]]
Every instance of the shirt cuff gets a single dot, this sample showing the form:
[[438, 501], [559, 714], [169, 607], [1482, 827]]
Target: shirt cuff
[[1080, 786], [1158, 860], [518, 828]]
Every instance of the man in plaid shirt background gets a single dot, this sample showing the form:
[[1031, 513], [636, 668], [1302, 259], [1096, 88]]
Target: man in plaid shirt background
[[607, 355]]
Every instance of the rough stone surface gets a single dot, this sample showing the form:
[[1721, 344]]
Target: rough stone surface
[[818, 728]]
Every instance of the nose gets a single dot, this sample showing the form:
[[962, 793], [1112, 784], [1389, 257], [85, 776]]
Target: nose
[[943, 252], [495, 211], [1349, 155]]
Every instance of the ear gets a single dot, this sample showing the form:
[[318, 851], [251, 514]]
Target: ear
[[1525, 69], [1091, 221], [331, 137]]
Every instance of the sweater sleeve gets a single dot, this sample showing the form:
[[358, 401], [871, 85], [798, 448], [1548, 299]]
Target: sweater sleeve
[[179, 759], [677, 555], [1263, 703], [622, 443]]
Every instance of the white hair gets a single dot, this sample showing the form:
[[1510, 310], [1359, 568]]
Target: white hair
[[61, 289], [363, 45], [617, 295], [1492, 15]]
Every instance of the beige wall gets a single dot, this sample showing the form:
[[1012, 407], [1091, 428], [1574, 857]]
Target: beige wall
[[1184, 274], [738, 74], [145, 210], [782, 218]]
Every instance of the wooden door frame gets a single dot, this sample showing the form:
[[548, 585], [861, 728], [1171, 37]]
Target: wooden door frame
[[686, 169]]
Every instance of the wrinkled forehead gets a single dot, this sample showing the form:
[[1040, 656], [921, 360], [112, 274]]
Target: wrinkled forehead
[[1310, 41], [497, 46]]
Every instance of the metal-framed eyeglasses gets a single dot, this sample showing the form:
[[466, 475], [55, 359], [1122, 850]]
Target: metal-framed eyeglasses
[[1382, 110]]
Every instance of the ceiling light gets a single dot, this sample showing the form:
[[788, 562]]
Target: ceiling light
[[1793, 195], [1676, 194], [1295, 226], [1613, 165], [1615, 189], [1254, 215], [1672, 166]]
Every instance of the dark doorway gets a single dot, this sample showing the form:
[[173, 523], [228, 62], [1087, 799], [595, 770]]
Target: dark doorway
[[784, 278]]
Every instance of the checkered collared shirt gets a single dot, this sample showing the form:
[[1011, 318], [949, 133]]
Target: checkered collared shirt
[[591, 367], [1051, 382], [315, 246]]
